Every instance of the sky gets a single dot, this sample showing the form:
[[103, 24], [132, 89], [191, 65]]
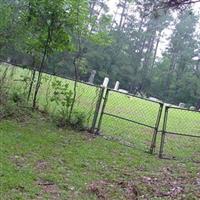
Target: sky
[[166, 33]]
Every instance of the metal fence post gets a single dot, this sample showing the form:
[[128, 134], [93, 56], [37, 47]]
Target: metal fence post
[[102, 110], [163, 133], [153, 143]]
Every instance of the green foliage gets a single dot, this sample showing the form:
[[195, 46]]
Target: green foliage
[[62, 96], [44, 19], [17, 98], [59, 33], [78, 120], [174, 77], [14, 106]]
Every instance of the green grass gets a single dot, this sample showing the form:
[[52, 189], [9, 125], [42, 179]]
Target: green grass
[[131, 108], [40, 161]]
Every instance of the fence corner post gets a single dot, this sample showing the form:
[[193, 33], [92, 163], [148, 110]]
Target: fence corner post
[[96, 112], [102, 108], [154, 138], [163, 132]]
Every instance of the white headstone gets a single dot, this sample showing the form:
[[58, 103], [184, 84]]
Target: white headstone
[[105, 82], [92, 75], [192, 108], [116, 85], [181, 105], [8, 59]]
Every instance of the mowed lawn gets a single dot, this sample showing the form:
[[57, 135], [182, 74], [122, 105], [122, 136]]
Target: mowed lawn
[[124, 106], [40, 161]]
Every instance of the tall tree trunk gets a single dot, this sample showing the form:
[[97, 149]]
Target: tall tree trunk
[[76, 66], [38, 83], [156, 50], [169, 73], [75, 86], [124, 9]]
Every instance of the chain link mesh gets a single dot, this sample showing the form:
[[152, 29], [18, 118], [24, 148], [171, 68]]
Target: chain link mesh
[[18, 80], [130, 119], [126, 118], [182, 134], [85, 98]]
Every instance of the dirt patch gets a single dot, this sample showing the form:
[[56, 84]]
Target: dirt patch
[[130, 189], [105, 190], [89, 136], [48, 188], [99, 188], [42, 165]]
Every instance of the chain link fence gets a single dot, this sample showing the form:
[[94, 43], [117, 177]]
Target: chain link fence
[[129, 119], [180, 137], [84, 100], [17, 80]]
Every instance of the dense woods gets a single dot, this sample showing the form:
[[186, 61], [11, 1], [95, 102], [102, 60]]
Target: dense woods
[[72, 38]]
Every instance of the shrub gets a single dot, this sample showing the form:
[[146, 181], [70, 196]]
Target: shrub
[[14, 106], [63, 97], [78, 120]]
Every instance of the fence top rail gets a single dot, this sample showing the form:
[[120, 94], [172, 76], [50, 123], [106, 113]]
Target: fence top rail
[[161, 103], [132, 95], [183, 109]]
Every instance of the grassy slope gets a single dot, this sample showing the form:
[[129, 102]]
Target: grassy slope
[[39, 161], [132, 108]]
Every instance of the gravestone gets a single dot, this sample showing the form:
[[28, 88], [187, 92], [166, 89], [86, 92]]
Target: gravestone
[[92, 75], [181, 105], [8, 60], [192, 108], [116, 85]]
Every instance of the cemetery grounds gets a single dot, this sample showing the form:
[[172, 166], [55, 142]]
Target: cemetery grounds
[[40, 161]]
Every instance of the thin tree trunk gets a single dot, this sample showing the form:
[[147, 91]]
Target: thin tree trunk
[[74, 88], [32, 81], [76, 68], [122, 14], [167, 82], [31, 84], [3, 77], [38, 83], [48, 92]]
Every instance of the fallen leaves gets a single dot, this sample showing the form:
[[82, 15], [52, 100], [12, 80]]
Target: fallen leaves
[[104, 189], [49, 188], [164, 184]]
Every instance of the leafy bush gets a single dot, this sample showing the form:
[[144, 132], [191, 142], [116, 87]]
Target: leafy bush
[[14, 106], [78, 120], [63, 97], [17, 97]]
